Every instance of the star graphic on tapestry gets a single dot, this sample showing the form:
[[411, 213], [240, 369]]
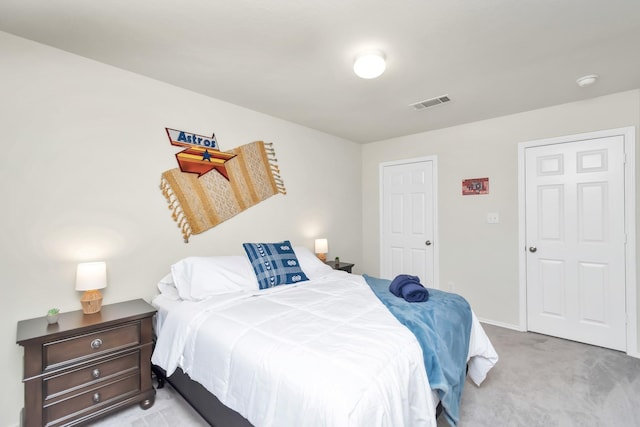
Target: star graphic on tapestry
[[201, 154], [200, 161]]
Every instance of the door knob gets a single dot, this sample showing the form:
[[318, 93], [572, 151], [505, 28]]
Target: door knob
[[428, 243], [532, 249]]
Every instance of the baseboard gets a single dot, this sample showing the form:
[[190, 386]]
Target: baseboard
[[634, 354], [501, 324]]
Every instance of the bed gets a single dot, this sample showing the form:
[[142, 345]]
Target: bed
[[321, 351]]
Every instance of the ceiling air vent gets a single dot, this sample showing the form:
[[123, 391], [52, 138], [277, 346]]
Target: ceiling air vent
[[430, 102]]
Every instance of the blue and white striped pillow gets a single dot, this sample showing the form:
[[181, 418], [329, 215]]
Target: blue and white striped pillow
[[274, 264]]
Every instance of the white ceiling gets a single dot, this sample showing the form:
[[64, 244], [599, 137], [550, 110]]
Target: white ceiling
[[293, 59]]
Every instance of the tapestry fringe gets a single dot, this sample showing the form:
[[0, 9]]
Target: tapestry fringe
[[275, 169], [176, 211]]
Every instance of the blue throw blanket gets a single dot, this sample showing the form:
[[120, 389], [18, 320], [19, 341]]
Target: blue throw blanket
[[442, 326], [409, 288]]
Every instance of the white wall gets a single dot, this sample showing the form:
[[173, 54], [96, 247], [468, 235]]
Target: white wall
[[83, 147], [482, 259]]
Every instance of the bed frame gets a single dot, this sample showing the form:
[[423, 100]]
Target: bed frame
[[206, 404]]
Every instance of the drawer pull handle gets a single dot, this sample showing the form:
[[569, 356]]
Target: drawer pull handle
[[96, 398], [96, 373], [95, 344]]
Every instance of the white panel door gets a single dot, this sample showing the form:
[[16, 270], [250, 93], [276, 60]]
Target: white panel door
[[407, 221], [576, 241]]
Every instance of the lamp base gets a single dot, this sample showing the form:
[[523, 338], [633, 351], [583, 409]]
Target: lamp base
[[322, 257], [91, 301]]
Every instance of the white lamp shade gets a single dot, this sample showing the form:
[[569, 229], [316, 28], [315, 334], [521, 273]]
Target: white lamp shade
[[369, 65], [91, 275], [322, 246]]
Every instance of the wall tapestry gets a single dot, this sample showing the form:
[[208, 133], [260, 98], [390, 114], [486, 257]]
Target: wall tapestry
[[211, 186]]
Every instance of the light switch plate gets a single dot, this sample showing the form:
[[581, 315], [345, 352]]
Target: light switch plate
[[493, 218]]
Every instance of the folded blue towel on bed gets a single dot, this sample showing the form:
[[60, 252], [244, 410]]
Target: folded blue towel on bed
[[409, 287], [443, 329]]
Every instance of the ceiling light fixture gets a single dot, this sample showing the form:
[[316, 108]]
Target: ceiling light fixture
[[369, 64], [587, 80]]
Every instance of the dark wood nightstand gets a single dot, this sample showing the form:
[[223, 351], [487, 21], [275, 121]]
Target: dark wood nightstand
[[87, 365], [344, 266]]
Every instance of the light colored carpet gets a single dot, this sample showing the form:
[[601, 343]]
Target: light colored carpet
[[169, 410], [547, 381], [539, 381]]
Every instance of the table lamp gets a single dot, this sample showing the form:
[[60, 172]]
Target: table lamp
[[90, 277], [322, 247]]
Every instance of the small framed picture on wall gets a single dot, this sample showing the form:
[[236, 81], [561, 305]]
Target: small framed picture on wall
[[473, 186]]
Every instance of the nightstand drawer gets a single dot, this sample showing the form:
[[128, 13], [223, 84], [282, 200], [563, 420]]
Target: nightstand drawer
[[89, 345], [67, 409], [68, 381]]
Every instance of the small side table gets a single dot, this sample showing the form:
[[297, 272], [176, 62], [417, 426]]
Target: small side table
[[87, 365], [344, 266]]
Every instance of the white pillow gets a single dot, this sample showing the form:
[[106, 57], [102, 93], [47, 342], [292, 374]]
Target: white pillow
[[310, 263], [168, 288], [197, 278]]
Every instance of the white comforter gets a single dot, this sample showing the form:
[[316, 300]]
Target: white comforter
[[322, 353]]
